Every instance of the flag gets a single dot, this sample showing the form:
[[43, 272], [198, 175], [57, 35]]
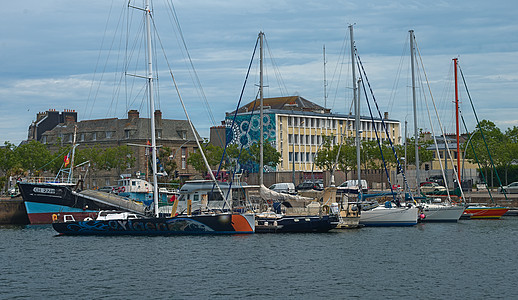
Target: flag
[[67, 159]]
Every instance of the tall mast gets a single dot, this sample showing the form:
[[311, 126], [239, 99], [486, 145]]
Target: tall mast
[[325, 80], [357, 110], [261, 162], [457, 119], [416, 132], [71, 173], [151, 104]]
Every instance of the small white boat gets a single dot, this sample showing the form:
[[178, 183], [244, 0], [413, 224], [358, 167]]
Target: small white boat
[[390, 215], [441, 212]]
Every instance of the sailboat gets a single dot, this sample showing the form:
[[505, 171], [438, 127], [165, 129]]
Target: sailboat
[[391, 213], [276, 221], [473, 211], [129, 224], [441, 211]]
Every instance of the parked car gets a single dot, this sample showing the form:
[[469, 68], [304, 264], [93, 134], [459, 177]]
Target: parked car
[[310, 185], [511, 188], [351, 186], [283, 187], [427, 187]]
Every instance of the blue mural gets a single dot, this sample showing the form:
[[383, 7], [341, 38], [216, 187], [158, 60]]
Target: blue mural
[[246, 129]]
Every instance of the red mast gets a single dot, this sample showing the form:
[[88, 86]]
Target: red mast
[[457, 119]]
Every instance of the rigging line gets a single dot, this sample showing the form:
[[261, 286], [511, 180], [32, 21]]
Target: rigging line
[[196, 77], [480, 128], [88, 115], [338, 72], [190, 123], [238, 104], [477, 160], [276, 71], [434, 138], [392, 96], [386, 128], [377, 138], [440, 124]]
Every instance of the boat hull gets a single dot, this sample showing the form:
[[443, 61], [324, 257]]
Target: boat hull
[[484, 212], [393, 216], [442, 213], [293, 224], [180, 225], [46, 203]]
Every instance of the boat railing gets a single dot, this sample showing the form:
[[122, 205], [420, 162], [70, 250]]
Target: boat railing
[[48, 180]]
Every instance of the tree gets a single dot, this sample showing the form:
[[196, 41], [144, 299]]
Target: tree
[[342, 157], [490, 135], [212, 153], [32, 156]]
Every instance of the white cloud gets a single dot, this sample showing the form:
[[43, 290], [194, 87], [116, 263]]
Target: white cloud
[[52, 49]]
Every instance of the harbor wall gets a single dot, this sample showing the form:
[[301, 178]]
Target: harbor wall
[[12, 211]]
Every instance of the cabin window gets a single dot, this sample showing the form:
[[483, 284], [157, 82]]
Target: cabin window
[[196, 197]]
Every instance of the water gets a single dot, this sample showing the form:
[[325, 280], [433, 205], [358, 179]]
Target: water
[[472, 259]]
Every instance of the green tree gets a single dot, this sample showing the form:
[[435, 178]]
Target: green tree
[[491, 135], [212, 153]]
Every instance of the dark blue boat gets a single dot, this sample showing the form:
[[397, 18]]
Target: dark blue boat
[[179, 225]]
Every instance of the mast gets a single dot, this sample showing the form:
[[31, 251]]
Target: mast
[[151, 104], [357, 110], [416, 132], [261, 140], [325, 80], [71, 173], [457, 119]]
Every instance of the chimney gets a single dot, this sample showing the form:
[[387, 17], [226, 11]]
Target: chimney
[[69, 119], [385, 115], [158, 118], [133, 114], [158, 115]]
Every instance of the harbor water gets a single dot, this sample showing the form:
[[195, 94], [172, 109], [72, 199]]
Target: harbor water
[[471, 259]]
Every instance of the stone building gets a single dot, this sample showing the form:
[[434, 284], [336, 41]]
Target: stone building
[[57, 129]]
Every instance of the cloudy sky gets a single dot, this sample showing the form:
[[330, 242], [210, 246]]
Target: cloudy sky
[[59, 54]]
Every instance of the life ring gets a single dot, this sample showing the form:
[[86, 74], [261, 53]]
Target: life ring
[[122, 189], [54, 217], [88, 219]]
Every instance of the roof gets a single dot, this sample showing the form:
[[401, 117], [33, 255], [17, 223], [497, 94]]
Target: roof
[[295, 103]]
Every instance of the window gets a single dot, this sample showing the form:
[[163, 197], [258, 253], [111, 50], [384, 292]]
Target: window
[[159, 133], [44, 139], [94, 136], [184, 158], [290, 156], [290, 138], [126, 134], [82, 137], [109, 134]]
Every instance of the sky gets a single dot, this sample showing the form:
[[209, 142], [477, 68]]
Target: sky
[[59, 54]]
